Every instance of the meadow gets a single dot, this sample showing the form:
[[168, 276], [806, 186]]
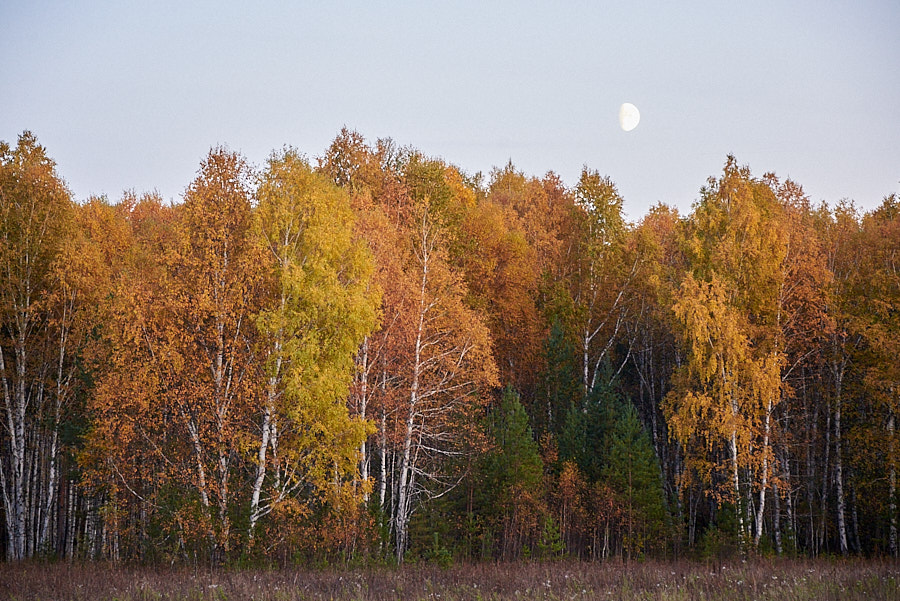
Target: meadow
[[772, 580]]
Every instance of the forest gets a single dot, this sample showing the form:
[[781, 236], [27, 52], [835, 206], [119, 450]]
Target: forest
[[372, 356]]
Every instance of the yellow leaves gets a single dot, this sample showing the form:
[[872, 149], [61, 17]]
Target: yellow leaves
[[723, 386], [598, 196], [463, 192], [35, 218], [320, 305], [686, 410], [711, 330], [731, 311]]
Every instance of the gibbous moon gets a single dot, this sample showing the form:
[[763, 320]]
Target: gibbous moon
[[629, 116]]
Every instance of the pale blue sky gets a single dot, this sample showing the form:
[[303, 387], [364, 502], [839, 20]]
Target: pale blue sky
[[131, 95]]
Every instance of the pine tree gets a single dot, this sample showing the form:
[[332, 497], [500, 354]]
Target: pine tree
[[560, 386], [585, 434], [513, 473], [632, 470], [515, 460]]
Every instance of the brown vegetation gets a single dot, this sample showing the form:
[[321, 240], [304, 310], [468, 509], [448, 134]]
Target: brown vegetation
[[807, 579]]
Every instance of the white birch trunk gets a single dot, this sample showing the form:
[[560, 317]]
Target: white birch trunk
[[585, 351], [16, 478], [363, 402], [221, 412], [382, 444], [260, 471], [839, 468], [61, 393], [839, 484], [776, 498], [760, 514], [405, 484], [736, 482], [19, 473], [201, 470], [13, 476], [733, 450], [404, 493], [8, 494], [266, 433]]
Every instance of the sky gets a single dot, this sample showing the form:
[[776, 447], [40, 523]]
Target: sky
[[132, 95]]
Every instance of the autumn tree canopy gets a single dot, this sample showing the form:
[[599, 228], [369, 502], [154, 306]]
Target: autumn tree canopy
[[376, 356]]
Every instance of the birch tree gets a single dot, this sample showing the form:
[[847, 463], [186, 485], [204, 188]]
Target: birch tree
[[602, 273], [727, 308], [448, 365], [321, 306], [35, 210], [214, 292]]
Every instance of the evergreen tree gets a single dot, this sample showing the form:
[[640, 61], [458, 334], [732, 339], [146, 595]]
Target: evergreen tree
[[515, 459], [513, 475], [632, 471], [560, 386], [585, 433], [559, 382]]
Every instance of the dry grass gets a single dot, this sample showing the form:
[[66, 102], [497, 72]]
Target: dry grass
[[766, 580]]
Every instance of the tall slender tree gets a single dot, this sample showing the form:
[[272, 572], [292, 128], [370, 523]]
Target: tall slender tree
[[321, 305], [35, 214], [601, 278], [727, 390]]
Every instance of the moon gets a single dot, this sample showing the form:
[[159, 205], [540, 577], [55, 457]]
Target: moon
[[629, 116]]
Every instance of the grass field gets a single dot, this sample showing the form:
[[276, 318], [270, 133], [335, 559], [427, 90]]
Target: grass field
[[819, 580]]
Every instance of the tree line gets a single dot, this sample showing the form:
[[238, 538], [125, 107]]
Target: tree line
[[376, 356]]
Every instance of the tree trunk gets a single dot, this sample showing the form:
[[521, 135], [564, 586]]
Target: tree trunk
[[776, 519], [224, 522], [272, 392], [790, 516], [201, 470], [382, 447], [221, 412], [260, 468], [892, 484], [52, 472], [405, 481], [857, 547], [202, 485], [363, 402], [810, 488], [820, 536], [14, 477], [736, 483], [693, 506], [761, 512], [839, 466], [585, 349]]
